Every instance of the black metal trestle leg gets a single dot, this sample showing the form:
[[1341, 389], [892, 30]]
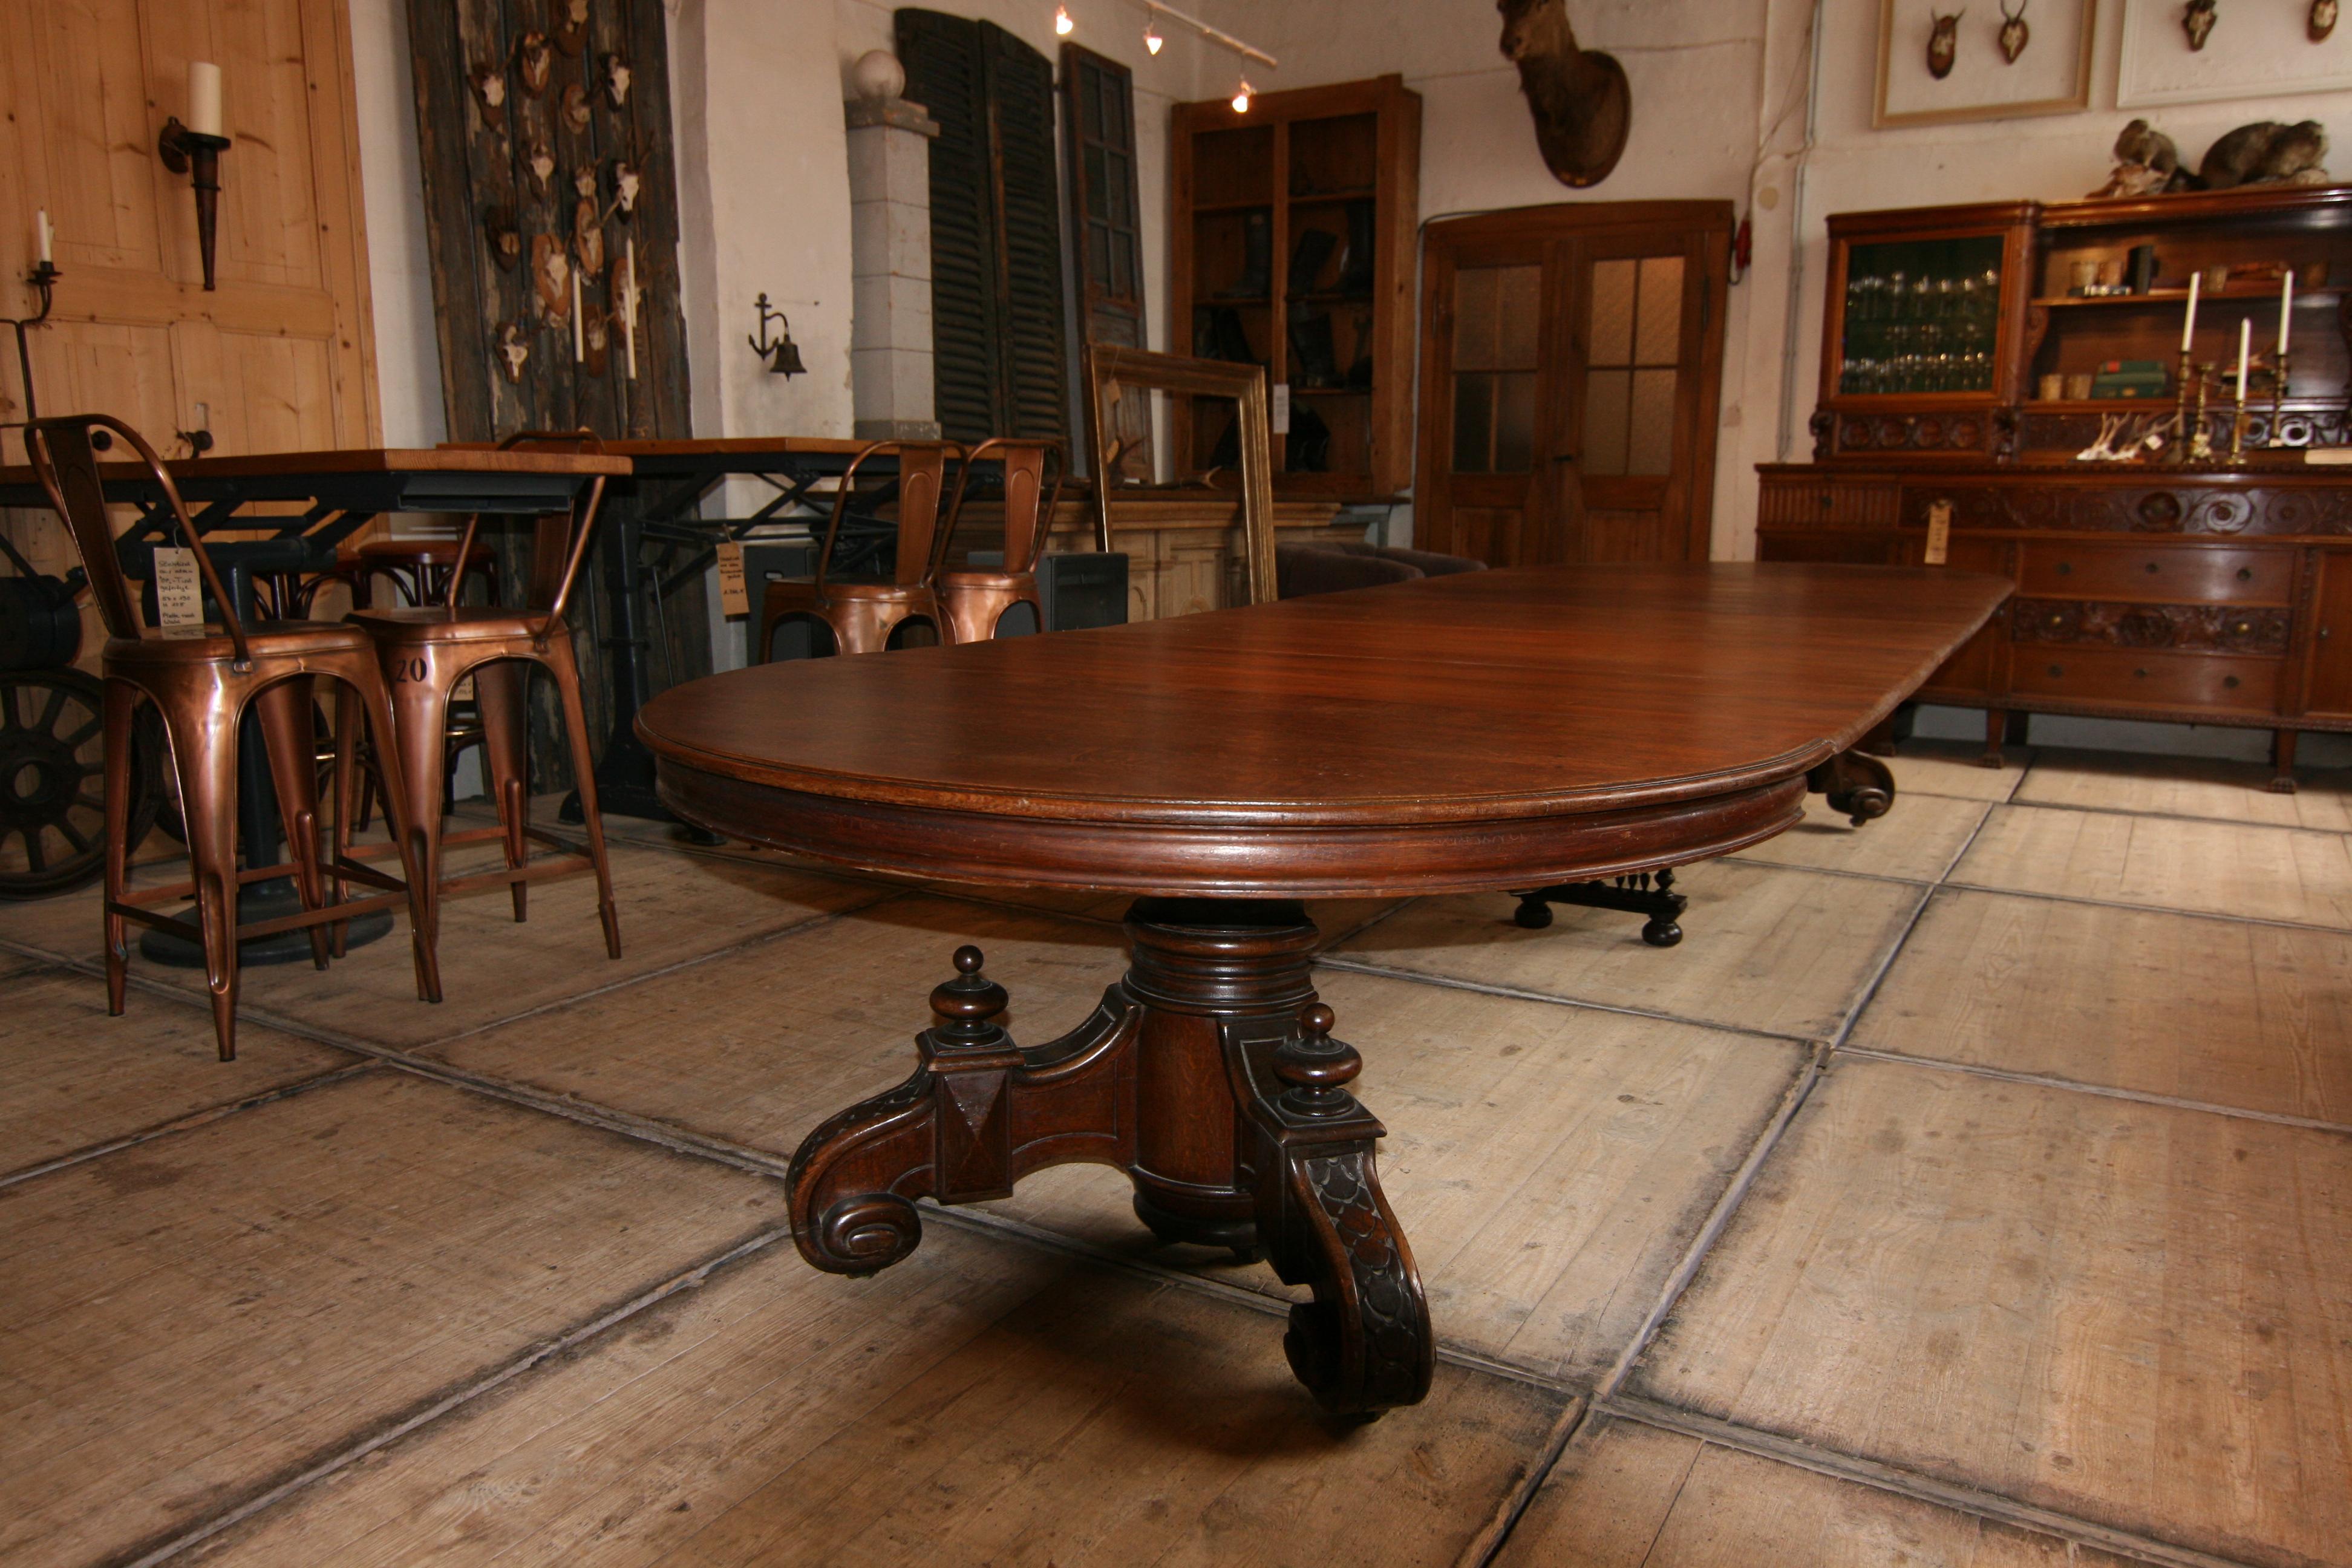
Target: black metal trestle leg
[[1645, 893]]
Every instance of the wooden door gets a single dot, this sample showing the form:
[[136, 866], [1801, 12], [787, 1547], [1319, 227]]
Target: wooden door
[[1572, 369], [2330, 689], [280, 356]]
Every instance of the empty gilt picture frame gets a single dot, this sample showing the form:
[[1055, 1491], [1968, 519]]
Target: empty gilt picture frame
[[1111, 370]]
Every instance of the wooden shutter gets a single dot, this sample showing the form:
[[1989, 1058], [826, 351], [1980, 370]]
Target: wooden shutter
[[998, 338], [1098, 111]]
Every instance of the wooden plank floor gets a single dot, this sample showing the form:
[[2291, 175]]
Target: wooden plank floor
[[1974, 1188]]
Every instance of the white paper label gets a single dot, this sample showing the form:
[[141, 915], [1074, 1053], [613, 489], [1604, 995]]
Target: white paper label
[[734, 598], [179, 590], [1939, 533], [1281, 413]]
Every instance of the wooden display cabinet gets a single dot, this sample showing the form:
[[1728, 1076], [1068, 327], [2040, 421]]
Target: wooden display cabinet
[[1324, 183], [2199, 593]]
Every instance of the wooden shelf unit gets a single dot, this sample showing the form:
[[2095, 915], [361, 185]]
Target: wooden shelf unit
[[1303, 159], [2146, 591]]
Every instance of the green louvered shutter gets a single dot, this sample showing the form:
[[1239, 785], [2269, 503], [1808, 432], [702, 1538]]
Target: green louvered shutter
[[997, 331]]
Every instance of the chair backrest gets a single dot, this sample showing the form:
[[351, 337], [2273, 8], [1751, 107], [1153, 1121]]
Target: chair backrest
[[1029, 503], [922, 479], [560, 542], [65, 460]]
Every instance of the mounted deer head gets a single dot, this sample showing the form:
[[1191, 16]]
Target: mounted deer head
[[1582, 104], [1943, 43], [2014, 34]]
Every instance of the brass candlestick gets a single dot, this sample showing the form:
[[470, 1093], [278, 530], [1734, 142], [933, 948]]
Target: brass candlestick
[[2238, 436], [2200, 444], [2181, 378], [2278, 404]]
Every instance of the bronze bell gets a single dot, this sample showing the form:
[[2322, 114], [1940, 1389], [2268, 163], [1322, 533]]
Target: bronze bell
[[783, 355]]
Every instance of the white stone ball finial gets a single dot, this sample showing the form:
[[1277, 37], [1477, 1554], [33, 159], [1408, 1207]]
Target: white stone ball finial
[[878, 76]]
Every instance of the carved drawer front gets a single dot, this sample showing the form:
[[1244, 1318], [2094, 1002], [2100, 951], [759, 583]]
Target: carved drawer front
[[1832, 503], [2140, 678], [2176, 574]]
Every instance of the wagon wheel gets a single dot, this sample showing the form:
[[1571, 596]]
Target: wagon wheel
[[52, 783]]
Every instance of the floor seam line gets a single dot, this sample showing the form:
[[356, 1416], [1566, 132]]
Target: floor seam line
[[434, 1406], [188, 1122], [2148, 909], [2162, 816], [1997, 1507], [1514, 993], [2104, 1091]]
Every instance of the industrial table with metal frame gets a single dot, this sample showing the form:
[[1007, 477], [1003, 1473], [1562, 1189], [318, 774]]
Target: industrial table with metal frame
[[319, 499]]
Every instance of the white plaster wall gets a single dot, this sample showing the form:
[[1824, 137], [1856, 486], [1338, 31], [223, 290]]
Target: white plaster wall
[[400, 273]]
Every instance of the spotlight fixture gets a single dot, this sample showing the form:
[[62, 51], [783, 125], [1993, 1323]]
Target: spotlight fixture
[[1151, 38], [1241, 97], [1062, 23]]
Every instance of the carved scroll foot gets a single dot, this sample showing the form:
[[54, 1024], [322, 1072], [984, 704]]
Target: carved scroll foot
[[979, 1114], [1856, 783], [1363, 1345]]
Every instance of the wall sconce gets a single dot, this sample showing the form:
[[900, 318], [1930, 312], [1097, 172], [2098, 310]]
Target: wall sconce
[[44, 277], [783, 355], [196, 147]]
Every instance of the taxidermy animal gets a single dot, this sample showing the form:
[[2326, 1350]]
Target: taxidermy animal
[[571, 25], [1943, 43], [513, 350], [2321, 20], [2197, 21], [1582, 104], [2014, 34], [2147, 162], [2267, 153], [537, 62]]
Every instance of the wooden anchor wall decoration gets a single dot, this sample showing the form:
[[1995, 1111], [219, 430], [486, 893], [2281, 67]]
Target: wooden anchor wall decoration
[[543, 127]]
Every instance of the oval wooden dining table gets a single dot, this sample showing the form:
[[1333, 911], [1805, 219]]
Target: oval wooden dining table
[[1487, 731]]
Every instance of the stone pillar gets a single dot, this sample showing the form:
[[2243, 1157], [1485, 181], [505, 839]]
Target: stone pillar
[[890, 257]]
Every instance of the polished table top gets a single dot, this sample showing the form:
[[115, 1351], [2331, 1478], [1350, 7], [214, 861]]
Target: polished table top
[[1476, 731]]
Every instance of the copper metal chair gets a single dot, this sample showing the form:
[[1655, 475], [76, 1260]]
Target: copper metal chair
[[202, 680], [427, 650], [864, 617], [973, 602]]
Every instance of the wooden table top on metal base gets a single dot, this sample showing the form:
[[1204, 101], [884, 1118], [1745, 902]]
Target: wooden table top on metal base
[[1488, 730]]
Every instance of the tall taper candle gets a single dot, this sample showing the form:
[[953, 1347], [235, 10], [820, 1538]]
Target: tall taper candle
[[2245, 347], [42, 233], [2286, 309], [579, 330], [205, 97], [2189, 328], [629, 309]]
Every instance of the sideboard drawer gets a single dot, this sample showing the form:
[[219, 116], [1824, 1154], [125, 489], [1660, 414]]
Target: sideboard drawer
[[2168, 573], [2147, 678]]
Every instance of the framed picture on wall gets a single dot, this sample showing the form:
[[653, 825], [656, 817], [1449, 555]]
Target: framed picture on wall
[[2051, 75], [2254, 51]]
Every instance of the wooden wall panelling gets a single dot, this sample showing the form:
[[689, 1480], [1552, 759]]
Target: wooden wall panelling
[[281, 355]]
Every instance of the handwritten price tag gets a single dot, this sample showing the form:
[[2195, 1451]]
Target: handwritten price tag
[[734, 598], [1939, 533], [179, 593]]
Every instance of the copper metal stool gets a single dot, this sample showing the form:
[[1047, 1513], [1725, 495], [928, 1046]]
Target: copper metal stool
[[863, 618], [974, 603], [427, 651], [202, 684]]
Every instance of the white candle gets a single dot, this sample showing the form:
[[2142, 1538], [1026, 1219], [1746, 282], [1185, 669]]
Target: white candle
[[204, 98], [629, 309], [41, 231], [579, 329], [2189, 328], [2286, 309], [2245, 346]]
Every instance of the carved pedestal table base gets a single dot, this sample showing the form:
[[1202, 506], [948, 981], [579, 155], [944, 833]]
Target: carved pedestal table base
[[1209, 1075]]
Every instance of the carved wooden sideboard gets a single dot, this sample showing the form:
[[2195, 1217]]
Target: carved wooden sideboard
[[2199, 597]]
